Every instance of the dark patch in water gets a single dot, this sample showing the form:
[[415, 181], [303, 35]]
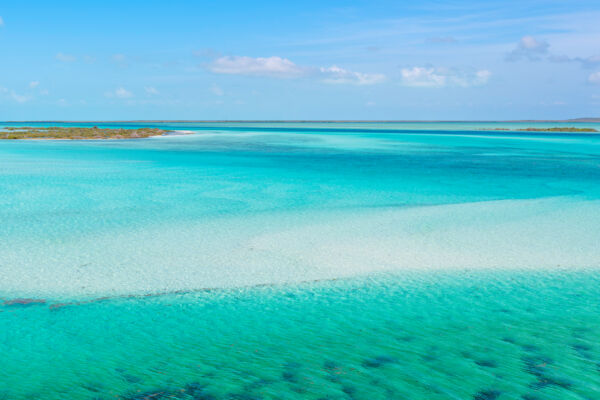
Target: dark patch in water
[[330, 365], [487, 395], [290, 372], [24, 302], [127, 376], [406, 338], [581, 347], [487, 363], [131, 378], [538, 366], [90, 387], [333, 370], [508, 339], [530, 348], [257, 384], [289, 376], [153, 395], [583, 350], [298, 389], [349, 390], [197, 391], [379, 361], [243, 396]]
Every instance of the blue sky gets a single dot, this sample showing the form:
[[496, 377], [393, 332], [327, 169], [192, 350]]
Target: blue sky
[[114, 60]]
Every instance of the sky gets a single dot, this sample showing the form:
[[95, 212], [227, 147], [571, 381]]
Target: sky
[[265, 60]]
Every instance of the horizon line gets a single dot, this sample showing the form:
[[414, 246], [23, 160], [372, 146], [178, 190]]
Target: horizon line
[[587, 119]]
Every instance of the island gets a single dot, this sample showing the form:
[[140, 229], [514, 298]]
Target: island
[[77, 133], [555, 129]]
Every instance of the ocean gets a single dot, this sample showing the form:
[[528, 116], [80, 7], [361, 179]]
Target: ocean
[[389, 260]]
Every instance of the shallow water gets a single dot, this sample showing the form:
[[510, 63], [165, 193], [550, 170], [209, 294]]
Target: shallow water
[[459, 335], [350, 261]]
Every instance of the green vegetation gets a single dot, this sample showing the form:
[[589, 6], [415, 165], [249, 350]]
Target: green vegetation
[[556, 129], [565, 129], [77, 133]]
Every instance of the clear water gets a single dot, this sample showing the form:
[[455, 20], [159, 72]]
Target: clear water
[[341, 261]]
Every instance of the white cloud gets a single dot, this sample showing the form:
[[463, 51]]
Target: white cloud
[[65, 57], [150, 90], [18, 98], [440, 77], [594, 78], [34, 84], [261, 66], [217, 91], [422, 77], [1, 22], [529, 48], [337, 75], [120, 93], [277, 67]]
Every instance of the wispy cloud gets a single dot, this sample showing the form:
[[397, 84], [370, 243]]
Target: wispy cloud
[[216, 90], [89, 59], [11, 94], [34, 84], [151, 90], [19, 98], [594, 78], [1, 22], [442, 39], [337, 75], [120, 93], [585, 62], [529, 48], [120, 59], [283, 68], [65, 57], [440, 77]]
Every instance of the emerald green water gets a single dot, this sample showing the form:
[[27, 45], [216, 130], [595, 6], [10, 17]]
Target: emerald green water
[[448, 335], [302, 261]]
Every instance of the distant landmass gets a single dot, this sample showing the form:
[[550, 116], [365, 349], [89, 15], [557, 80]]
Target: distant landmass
[[586, 119]]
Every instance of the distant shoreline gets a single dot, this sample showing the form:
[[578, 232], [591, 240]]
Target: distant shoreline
[[575, 120]]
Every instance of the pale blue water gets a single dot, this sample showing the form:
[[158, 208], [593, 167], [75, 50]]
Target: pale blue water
[[305, 260]]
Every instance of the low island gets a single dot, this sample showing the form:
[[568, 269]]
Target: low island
[[555, 129], [77, 133]]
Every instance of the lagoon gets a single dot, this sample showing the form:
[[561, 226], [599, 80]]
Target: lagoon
[[302, 260]]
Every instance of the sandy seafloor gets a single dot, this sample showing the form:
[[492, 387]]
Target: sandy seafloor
[[302, 260]]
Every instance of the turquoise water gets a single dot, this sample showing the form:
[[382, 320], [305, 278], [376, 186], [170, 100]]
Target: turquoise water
[[321, 260]]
